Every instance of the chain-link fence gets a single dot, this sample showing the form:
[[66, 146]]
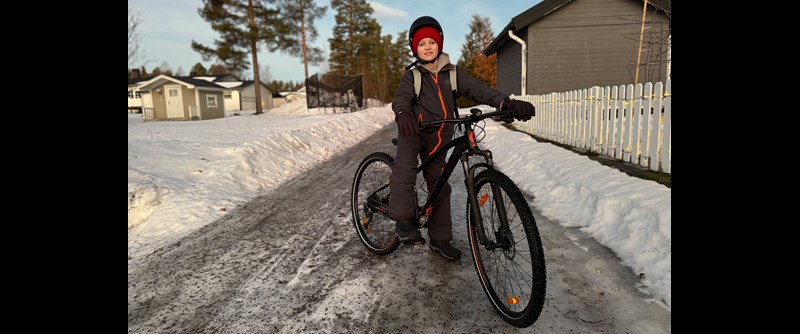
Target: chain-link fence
[[343, 93]]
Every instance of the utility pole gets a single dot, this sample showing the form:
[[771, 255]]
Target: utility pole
[[303, 31], [254, 51]]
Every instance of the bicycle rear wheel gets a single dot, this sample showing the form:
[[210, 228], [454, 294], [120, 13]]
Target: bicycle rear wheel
[[369, 198], [511, 265]]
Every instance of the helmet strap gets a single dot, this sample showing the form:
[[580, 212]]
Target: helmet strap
[[412, 64], [423, 62]]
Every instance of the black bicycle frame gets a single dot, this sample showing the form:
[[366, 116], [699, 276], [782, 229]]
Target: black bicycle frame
[[465, 147]]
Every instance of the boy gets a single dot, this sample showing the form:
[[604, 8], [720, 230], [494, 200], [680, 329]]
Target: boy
[[435, 102]]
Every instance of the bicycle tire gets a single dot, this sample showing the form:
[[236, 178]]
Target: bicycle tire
[[516, 290], [375, 230]]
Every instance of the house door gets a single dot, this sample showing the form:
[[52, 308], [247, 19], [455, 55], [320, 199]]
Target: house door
[[174, 101]]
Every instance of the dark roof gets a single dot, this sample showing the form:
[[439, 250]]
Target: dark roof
[[221, 77], [198, 82], [246, 83], [523, 20], [186, 80], [500, 40], [137, 80], [537, 12]]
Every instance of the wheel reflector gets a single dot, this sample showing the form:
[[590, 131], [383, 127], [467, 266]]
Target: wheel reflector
[[484, 198]]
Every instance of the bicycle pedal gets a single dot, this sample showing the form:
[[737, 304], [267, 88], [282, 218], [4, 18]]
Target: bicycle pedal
[[422, 222]]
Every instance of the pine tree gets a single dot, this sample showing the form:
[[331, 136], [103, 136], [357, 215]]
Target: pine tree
[[379, 70], [389, 66], [217, 69], [478, 38], [273, 86], [243, 25], [163, 68], [281, 86], [198, 70], [472, 58], [304, 13], [355, 31], [399, 56], [356, 46], [287, 86]]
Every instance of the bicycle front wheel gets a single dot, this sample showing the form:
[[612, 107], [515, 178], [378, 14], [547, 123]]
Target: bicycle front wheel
[[369, 198], [510, 263]]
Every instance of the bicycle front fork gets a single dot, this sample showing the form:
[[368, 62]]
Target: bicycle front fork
[[472, 197], [502, 232]]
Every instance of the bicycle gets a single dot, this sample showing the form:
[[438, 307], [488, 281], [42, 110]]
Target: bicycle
[[503, 237]]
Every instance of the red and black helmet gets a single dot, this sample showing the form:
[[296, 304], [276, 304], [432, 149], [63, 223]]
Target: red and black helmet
[[423, 21]]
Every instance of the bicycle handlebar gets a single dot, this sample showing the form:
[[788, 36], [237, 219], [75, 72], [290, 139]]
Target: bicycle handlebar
[[476, 115]]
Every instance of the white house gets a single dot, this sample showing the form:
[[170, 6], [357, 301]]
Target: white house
[[135, 98], [248, 96], [239, 95], [182, 98]]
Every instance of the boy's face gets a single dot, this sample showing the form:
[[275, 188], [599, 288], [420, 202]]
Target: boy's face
[[427, 49]]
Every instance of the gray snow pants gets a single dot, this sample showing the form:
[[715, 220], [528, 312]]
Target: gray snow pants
[[404, 175]]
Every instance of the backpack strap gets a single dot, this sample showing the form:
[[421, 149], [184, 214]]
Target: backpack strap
[[454, 79], [454, 85], [418, 80]]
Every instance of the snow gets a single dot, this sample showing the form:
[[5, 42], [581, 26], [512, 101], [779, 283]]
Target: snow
[[184, 175]]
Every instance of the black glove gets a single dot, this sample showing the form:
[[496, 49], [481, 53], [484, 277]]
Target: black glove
[[520, 110], [407, 126]]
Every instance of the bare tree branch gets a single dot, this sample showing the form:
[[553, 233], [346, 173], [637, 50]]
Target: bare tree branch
[[135, 51]]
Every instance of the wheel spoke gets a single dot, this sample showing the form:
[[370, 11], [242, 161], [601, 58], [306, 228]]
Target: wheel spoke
[[368, 194], [510, 273]]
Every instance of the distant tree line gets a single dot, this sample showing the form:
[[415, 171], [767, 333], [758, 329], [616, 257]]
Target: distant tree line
[[357, 45], [199, 70]]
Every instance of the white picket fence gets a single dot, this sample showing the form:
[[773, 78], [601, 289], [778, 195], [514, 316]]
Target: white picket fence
[[620, 122]]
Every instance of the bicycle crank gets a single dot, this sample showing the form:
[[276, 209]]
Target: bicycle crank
[[366, 219]]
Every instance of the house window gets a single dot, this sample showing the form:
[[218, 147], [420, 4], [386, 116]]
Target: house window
[[211, 101], [226, 95], [130, 95], [138, 96]]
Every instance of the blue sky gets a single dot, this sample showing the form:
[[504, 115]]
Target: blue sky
[[168, 28]]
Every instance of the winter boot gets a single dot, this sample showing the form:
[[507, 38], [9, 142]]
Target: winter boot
[[408, 233], [444, 248]]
